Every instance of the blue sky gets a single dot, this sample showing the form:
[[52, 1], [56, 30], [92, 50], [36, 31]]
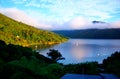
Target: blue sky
[[62, 14]]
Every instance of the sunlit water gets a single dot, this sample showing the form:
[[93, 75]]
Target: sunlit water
[[83, 50]]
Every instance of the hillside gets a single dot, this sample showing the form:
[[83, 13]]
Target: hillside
[[92, 33], [13, 32]]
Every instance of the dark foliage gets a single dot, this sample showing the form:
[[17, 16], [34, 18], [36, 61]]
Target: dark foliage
[[55, 55], [83, 68], [112, 63], [17, 62]]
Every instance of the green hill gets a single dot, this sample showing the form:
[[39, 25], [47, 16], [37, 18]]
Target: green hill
[[13, 32]]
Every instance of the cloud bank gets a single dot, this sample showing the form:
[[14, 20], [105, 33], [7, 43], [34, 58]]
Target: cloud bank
[[63, 14], [74, 23], [21, 16], [84, 23], [78, 22], [116, 24]]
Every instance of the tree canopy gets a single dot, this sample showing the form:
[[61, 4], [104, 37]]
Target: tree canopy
[[55, 55], [112, 63]]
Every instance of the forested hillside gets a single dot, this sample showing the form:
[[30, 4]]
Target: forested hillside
[[14, 32], [92, 33]]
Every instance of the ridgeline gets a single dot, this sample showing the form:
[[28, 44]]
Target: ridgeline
[[18, 33], [112, 33]]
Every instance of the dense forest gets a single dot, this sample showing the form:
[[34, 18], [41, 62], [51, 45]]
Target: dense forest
[[17, 62], [92, 33], [13, 32]]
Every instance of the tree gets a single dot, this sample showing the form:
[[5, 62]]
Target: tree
[[55, 55], [112, 63], [2, 43]]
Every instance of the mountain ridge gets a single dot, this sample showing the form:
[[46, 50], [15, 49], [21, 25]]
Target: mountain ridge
[[113, 33], [94, 22]]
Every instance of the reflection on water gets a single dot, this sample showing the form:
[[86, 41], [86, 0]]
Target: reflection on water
[[41, 46], [83, 50]]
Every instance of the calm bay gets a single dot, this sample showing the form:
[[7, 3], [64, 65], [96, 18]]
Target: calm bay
[[84, 50]]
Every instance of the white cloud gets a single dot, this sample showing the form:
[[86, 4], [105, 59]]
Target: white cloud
[[115, 24], [75, 23], [65, 14], [18, 15], [83, 23], [99, 14], [67, 9], [100, 26], [70, 8], [78, 23], [21, 16]]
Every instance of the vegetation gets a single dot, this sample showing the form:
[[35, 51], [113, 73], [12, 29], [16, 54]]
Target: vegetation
[[91, 33], [17, 62], [83, 68], [55, 55], [13, 32], [112, 63]]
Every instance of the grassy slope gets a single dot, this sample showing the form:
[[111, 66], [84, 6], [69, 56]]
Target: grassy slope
[[15, 32]]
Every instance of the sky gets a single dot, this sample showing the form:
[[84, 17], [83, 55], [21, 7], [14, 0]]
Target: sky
[[63, 14]]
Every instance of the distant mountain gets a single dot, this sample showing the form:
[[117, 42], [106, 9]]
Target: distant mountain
[[96, 22], [18, 33], [91, 33]]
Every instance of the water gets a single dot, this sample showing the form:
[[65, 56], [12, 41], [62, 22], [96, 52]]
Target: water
[[84, 50]]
